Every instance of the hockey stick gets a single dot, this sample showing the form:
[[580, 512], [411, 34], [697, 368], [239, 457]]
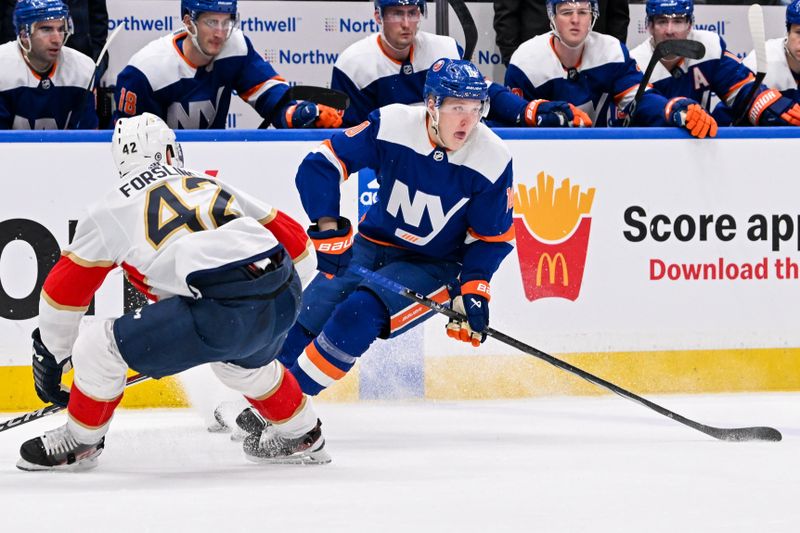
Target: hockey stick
[[729, 434], [468, 25], [755, 19], [320, 95], [53, 408], [676, 47], [90, 87]]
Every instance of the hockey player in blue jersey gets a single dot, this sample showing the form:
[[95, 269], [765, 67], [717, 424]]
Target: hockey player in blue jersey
[[43, 84], [592, 71], [443, 220], [187, 77], [390, 68], [718, 71], [783, 57]]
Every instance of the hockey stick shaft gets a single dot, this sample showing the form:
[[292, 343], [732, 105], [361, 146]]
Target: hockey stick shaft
[[467, 25], [730, 434], [320, 95], [90, 87], [755, 19], [53, 409]]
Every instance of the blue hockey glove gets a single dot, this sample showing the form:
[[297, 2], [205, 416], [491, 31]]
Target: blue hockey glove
[[474, 303], [547, 114], [686, 113], [310, 115], [771, 108], [333, 246], [47, 372]]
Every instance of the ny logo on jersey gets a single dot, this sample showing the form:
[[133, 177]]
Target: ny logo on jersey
[[178, 118], [412, 211], [22, 123]]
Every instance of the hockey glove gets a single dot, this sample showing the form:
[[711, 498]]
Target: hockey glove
[[474, 303], [771, 108], [333, 246], [310, 115], [47, 372], [547, 114], [686, 113]]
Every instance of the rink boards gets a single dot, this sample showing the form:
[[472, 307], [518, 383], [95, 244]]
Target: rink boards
[[664, 264]]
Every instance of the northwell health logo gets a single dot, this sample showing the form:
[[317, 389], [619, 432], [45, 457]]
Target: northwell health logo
[[552, 227]]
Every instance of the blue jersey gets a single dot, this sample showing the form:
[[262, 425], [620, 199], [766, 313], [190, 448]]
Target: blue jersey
[[29, 100], [718, 73], [779, 75], [605, 75], [372, 79], [160, 80], [454, 206]]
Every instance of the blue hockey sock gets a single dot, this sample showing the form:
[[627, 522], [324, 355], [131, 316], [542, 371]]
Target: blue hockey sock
[[297, 339], [355, 323]]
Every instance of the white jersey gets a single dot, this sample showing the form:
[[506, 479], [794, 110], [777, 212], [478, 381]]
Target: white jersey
[[161, 224], [779, 75]]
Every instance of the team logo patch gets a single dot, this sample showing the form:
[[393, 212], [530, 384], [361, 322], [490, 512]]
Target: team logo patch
[[408, 70], [438, 155], [46, 84], [438, 65]]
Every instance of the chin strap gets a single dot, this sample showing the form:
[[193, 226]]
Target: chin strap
[[435, 127], [196, 43]]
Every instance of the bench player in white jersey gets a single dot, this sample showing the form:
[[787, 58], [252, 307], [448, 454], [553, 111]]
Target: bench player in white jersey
[[457, 171], [718, 73], [42, 82], [592, 71], [390, 68], [224, 271], [783, 57], [187, 78]]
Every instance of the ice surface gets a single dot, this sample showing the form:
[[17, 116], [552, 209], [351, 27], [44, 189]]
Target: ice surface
[[552, 465]]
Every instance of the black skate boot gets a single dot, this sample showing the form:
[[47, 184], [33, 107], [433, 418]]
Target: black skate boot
[[273, 447], [249, 422], [58, 450]]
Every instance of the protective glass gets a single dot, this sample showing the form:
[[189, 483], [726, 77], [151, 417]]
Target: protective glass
[[569, 10], [676, 21], [471, 110], [413, 14], [225, 25]]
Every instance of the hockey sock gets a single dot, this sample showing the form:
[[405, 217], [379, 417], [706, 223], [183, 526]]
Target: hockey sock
[[281, 403], [89, 417], [355, 323], [297, 339]]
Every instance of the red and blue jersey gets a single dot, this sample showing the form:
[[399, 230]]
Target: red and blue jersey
[[53, 101], [446, 205], [160, 79], [606, 77]]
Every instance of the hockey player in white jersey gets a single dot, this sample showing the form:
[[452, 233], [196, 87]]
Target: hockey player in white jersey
[[390, 68], [224, 271], [43, 84], [718, 72], [187, 78], [783, 57], [593, 71]]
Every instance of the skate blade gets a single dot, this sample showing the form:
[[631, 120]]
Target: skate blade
[[319, 457], [79, 466]]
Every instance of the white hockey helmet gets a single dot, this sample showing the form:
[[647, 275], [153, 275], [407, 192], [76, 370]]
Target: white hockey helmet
[[142, 140]]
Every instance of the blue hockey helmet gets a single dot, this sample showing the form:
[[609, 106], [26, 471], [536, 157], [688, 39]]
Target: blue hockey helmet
[[195, 7], [455, 78], [380, 5], [551, 7], [792, 14], [29, 12], [654, 8]]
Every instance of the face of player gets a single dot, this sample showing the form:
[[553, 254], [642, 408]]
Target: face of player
[[400, 25], [793, 43], [213, 30], [573, 21], [47, 38], [457, 118], [668, 28]]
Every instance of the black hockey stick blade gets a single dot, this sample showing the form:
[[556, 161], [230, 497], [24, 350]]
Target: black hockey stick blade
[[677, 47], [680, 47], [320, 95], [468, 25], [728, 434], [53, 409]]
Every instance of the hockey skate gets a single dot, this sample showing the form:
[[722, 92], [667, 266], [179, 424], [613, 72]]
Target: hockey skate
[[274, 448], [58, 450], [249, 422]]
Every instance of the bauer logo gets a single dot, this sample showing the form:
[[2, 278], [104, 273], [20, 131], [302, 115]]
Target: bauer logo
[[307, 57], [350, 25], [265, 25], [552, 227]]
